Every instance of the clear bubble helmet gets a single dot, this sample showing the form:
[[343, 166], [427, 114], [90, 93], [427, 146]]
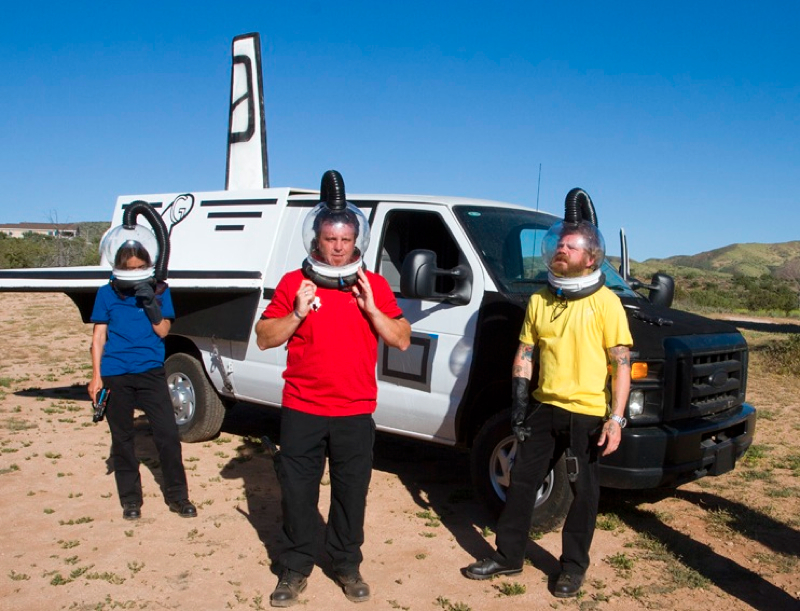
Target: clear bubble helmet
[[126, 235], [322, 214], [587, 236]]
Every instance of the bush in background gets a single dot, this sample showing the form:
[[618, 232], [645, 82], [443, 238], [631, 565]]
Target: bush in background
[[36, 250], [784, 356]]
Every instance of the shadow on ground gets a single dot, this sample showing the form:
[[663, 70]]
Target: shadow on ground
[[731, 577]]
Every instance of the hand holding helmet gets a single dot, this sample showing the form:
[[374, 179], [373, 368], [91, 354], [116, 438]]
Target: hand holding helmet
[[146, 296], [304, 298]]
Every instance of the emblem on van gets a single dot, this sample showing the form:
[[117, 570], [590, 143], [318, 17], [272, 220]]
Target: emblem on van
[[718, 378]]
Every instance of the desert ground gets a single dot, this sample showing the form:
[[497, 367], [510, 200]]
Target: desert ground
[[730, 542]]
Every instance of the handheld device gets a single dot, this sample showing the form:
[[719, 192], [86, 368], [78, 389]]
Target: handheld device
[[99, 405]]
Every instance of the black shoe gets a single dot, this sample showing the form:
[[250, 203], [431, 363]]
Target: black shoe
[[184, 508], [486, 568], [131, 511], [290, 586], [354, 587], [567, 585]]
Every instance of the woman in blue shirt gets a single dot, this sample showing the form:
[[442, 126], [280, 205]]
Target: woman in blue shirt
[[131, 319]]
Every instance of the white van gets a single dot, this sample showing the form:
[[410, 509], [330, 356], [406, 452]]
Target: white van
[[462, 270]]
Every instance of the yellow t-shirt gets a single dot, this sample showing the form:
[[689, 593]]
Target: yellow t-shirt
[[573, 337]]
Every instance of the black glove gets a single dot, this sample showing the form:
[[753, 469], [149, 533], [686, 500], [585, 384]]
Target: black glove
[[146, 295], [520, 400]]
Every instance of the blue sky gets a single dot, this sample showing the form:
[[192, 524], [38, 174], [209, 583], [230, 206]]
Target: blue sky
[[680, 119]]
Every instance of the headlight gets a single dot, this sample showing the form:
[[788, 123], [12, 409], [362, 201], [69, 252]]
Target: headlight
[[636, 403]]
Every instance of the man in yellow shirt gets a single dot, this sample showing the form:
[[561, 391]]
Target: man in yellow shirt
[[574, 328]]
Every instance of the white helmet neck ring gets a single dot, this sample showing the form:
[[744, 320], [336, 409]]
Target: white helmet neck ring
[[575, 288]]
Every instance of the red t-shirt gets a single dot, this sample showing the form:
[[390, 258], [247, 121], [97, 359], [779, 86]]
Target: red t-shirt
[[330, 368]]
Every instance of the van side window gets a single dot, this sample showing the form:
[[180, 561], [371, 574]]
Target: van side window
[[405, 231]]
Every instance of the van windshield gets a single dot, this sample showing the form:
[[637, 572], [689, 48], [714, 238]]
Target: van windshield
[[510, 243]]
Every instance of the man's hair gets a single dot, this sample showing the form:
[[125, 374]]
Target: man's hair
[[335, 217], [591, 236], [129, 249]]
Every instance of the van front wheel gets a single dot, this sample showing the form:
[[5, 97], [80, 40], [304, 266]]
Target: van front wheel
[[493, 455], [199, 411]]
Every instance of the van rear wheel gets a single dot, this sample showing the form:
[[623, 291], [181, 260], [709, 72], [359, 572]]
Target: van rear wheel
[[493, 453], [199, 411]]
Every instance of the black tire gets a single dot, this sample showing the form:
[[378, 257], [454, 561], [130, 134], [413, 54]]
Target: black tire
[[492, 459], [199, 410]]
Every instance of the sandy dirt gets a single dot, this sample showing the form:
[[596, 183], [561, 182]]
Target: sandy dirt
[[730, 542]]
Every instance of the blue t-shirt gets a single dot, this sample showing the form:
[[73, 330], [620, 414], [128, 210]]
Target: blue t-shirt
[[131, 346]]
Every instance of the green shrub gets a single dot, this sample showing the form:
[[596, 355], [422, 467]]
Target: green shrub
[[784, 356]]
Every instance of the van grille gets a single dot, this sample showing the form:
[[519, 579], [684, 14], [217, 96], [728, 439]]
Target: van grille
[[716, 380], [701, 380]]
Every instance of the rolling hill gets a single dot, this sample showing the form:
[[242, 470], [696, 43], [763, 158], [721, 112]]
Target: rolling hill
[[780, 260]]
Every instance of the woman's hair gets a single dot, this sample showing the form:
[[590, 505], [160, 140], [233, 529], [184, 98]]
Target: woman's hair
[[130, 249]]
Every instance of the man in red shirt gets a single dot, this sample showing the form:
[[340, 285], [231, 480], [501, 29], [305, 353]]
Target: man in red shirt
[[329, 395]]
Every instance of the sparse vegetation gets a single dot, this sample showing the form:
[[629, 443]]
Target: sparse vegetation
[[107, 576], [784, 356], [510, 588], [445, 604], [608, 521], [431, 519], [666, 550], [621, 562]]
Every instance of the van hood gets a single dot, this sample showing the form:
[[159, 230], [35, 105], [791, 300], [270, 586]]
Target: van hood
[[650, 325]]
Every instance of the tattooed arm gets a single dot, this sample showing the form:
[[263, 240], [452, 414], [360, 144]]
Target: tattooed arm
[[620, 358], [523, 362]]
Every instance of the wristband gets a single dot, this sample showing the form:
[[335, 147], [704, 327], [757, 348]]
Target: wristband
[[297, 314]]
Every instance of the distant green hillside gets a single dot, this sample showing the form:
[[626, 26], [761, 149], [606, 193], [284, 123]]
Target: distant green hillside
[[781, 260], [746, 277]]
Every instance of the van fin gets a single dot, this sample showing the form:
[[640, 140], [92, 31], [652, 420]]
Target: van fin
[[247, 166]]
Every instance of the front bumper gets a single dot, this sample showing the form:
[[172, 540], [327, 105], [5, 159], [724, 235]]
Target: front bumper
[[674, 454]]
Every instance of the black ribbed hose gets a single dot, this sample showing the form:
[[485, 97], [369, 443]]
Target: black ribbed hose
[[331, 190], [578, 207], [141, 207]]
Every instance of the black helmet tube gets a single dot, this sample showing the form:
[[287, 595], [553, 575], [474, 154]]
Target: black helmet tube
[[578, 207], [331, 190], [141, 207]]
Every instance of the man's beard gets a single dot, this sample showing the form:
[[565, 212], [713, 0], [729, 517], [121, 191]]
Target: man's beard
[[561, 266]]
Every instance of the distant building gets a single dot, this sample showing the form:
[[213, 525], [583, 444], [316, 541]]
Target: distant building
[[59, 230]]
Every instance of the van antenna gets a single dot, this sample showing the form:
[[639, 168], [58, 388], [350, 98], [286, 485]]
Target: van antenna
[[538, 186]]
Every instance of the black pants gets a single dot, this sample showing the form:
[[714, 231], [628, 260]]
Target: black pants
[[147, 391], [553, 430], [305, 441]]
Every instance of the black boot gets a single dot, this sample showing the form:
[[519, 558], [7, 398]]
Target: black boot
[[567, 585], [354, 587], [290, 586]]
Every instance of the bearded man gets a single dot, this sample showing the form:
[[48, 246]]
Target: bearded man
[[575, 328]]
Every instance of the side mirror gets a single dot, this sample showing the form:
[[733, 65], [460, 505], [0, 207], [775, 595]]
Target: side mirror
[[662, 290], [418, 279]]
